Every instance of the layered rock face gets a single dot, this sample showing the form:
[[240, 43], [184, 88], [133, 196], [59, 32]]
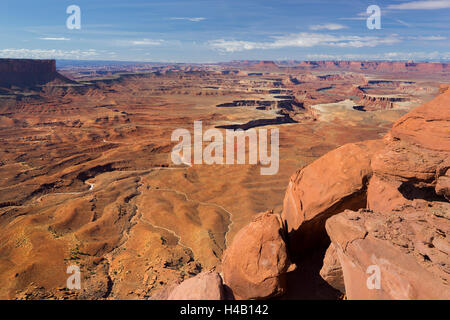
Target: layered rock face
[[379, 103], [407, 248], [382, 66], [26, 72], [27, 66], [355, 66]]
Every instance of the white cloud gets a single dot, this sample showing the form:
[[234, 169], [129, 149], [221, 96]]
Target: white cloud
[[406, 24], [421, 5], [54, 39], [303, 40], [360, 16], [197, 19], [146, 42], [430, 38], [48, 54], [329, 26]]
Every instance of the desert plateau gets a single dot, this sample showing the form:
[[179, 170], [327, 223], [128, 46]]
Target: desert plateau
[[86, 179]]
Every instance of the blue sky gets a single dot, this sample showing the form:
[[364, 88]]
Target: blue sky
[[211, 31]]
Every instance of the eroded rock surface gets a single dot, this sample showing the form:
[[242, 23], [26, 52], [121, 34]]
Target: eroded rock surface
[[204, 286], [331, 270], [330, 184], [254, 266], [410, 249]]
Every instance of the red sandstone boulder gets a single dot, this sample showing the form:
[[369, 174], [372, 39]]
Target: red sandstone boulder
[[418, 143], [164, 292], [255, 264], [403, 161], [334, 182], [409, 248], [204, 286], [414, 162], [427, 126]]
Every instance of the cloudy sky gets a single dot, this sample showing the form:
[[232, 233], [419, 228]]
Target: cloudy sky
[[223, 30]]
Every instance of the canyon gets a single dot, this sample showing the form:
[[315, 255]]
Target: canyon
[[86, 179]]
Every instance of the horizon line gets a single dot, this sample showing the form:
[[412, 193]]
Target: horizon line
[[231, 61]]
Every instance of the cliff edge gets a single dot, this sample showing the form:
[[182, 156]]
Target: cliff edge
[[28, 72]]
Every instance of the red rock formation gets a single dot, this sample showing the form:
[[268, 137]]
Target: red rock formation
[[443, 183], [205, 286], [27, 66], [409, 249], [353, 66], [356, 91], [265, 66], [267, 63], [405, 175], [427, 125], [326, 187], [28, 72], [382, 66], [254, 266], [444, 87], [372, 103], [331, 270]]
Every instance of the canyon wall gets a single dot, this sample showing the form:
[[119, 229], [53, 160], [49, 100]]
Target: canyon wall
[[26, 72], [381, 66], [335, 65]]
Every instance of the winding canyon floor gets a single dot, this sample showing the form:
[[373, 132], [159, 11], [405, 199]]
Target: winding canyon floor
[[86, 176]]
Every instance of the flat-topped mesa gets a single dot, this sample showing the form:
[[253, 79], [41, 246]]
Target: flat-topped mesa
[[375, 102], [266, 63], [288, 103], [265, 66], [26, 72]]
